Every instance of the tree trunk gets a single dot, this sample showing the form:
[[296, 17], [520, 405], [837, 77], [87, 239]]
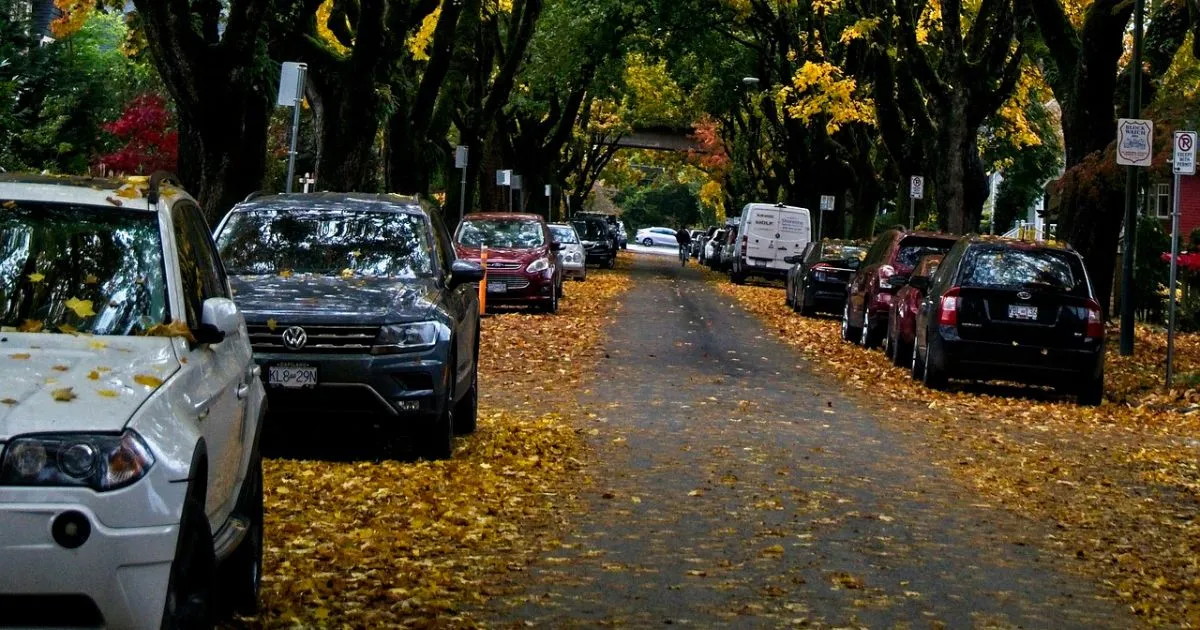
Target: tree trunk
[[954, 143]]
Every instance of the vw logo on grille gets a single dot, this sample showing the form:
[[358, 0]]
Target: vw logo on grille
[[1024, 295], [295, 338]]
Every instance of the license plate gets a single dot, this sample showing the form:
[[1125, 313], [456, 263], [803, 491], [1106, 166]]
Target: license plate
[[1021, 311], [497, 287], [292, 376]]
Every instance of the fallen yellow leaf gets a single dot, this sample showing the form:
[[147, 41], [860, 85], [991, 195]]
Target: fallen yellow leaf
[[31, 326], [60, 368], [8, 401], [286, 273], [36, 277], [82, 308], [347, 273], [94, 375], [19, 356], [272, 325], [97, 345], [91, 279], [152, 382], [65, 394], [106, 393]]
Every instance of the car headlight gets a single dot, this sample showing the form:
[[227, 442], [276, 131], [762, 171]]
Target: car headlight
[[406, 338], [540, 264], [99, 462]]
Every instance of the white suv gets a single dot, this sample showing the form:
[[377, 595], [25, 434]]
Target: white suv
[[130, 411]]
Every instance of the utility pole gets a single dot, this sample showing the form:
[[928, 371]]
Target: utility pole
[[1131, 186]]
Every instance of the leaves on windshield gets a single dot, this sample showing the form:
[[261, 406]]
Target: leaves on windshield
[[94, 375], [66, 394], [97, 345], [91, 279], [61, 368], [31, 326], [347, 273], [286, 273], [36, 277], [68, 329], [147, 380], [174, 329], [106, 393], [10, 204], [82, 308], [129, 192]]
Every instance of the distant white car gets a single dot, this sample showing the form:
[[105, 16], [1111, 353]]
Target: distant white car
[[653, 236], [130, 411], [572, 255]]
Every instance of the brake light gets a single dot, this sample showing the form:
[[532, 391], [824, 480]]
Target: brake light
[[745, 244], [948, 312], [822, 266], [885, 272], [1095, 320]]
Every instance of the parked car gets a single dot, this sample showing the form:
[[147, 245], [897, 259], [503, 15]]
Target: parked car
[[622, 235], [572, 255], [696, 243], [818, 277], [357, 306], [657, 237], [522, 264], [902, 316], [711, 254], [887, 265], [999, 309], [130, 473], [770, 233], [725, 259], [601, 248]]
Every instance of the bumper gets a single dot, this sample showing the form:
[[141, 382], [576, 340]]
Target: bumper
[[1022, 364], [574, 270], [397, 386], [764, 269], [520, 290], [117, 578], [827, 293]]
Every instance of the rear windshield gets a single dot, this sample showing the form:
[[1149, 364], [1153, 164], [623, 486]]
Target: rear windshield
[[843, 253], [913, 248], [591, 230], [563, 234], [326, 241], [1018, 268], [507, 234], [80, 269]]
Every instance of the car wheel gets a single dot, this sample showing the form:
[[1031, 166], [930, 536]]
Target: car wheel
[[192, 584], [933, 375], [916, 370], [241, 573], [889, 345], [870, 338], [648, 242], [849, 333], [1091, 394], [788, 297], [735, 276], [612, 262], [437, 439], [552, 306]]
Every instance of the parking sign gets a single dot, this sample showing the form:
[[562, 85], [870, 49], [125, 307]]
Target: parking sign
[[917, 187], [1185, 153]]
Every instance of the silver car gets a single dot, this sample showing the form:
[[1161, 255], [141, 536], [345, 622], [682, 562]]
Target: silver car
[[572, 254]]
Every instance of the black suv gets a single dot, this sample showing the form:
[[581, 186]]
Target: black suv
[[999, 309], [598, 240], [357, 305]]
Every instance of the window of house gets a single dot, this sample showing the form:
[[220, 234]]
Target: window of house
[[1160, 204]]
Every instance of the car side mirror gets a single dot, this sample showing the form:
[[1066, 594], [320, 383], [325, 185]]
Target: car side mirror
[[920, 283], [464, 272], [556, 246], [219, 319], [791, 260]]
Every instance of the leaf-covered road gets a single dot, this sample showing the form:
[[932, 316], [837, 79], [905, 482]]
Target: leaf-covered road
[[733, 485]]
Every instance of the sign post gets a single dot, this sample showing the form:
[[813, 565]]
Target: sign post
[[307, 181], [827, 204], [460, 162], [291, 94], [916, 190], [1184, 163], [518, 186]]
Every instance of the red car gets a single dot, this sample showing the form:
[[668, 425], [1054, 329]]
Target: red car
[[902, 317], [522, 265], [890, 260]]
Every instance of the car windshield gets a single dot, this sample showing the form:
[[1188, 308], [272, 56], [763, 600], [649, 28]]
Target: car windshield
[[80, 269], [509, 234], [1020, 268], [564, 234], [912, 249], [590, 230], [327, 241], [843, 253]]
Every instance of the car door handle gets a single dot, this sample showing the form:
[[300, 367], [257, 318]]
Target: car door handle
[[242, 391]]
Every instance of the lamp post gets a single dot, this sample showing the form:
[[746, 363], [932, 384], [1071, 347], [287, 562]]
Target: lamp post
[[1131, 184]]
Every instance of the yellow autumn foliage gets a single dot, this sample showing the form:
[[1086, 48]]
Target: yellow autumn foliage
[[821, 89]]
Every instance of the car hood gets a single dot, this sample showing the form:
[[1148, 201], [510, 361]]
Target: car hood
[[108, 379], [323, 299], [503, 254]]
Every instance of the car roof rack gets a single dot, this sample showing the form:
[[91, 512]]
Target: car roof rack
[[255, 195], [156, 181]]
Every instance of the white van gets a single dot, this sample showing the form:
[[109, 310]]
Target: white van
[[769, 234]]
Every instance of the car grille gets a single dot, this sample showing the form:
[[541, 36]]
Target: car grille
[[503, 265], [321, 339], [512, 283]]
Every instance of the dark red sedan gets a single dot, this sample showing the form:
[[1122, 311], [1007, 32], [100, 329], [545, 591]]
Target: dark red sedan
[[902, 318], [522, 268]]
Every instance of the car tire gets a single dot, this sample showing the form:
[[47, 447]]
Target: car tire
[[933, 373], [648, 242], [612, 262], [1091, 394], [850, 334], [192, 585], [241, 573], [871, 338], [735, 276], [466, 412], [552, 306], [916, 369], [436, 441]]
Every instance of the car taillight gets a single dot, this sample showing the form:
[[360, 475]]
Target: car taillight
[[948, 311], [822, 266], [745, 244], [1095, 320]]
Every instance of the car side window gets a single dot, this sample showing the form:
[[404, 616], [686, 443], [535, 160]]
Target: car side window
[[945, 272], [876, 252], [200, 268]]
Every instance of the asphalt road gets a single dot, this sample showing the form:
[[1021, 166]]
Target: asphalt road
[[736, 487]]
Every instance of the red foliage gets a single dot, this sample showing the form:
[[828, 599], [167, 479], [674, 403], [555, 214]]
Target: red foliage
[[1189, 261], [712, 156], [151, 142]]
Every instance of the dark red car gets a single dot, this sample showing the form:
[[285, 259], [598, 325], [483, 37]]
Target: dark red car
[[902, 317], [887, 266], [522, 265]]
